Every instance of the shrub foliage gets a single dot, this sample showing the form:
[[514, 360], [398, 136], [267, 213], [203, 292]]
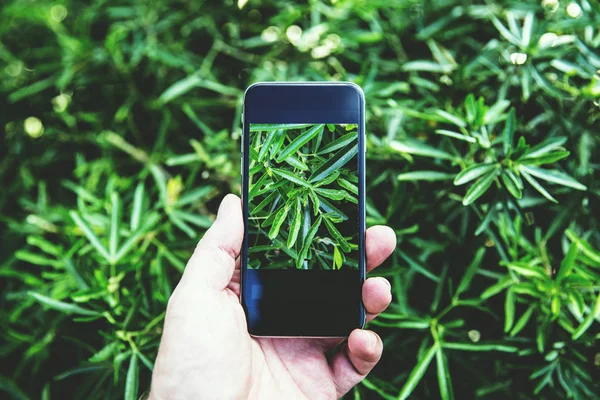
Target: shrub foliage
[[121, 126]]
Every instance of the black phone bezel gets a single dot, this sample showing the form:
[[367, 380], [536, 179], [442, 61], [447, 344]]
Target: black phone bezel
[[306, 102]]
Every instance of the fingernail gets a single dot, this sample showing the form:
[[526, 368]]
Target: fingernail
[[372, 340], [387, 283], [220, 211]]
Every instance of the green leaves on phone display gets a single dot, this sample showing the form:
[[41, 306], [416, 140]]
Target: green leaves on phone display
[[303, 189]]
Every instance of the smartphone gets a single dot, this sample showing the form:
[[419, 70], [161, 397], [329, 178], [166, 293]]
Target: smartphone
[[303, 190]]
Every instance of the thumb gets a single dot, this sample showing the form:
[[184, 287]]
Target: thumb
[[213, 261]]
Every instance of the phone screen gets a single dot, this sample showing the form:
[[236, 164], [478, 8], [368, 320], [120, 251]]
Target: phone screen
[[303, 260], [303, 197]]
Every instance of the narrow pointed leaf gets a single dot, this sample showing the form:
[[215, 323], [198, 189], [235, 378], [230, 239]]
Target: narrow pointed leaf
[[420, 149], [548, 158], [456, 135], [553, 176], [510, 185], [132, 380], [335, 163], [291, 177], [266, 144], [509, 310], [472, 172], [138, 202], [585, 247], [91, 236], [568, 262], [479, 188], [443, 375], [296, 163], [545, 147], [339, 143], [296, 223], [425, 176], [65, 308], [465, 282], [417, 373], [115, 221], [536, 185], [307, 242], [509, 131], [280, 218], [273, 127], [298, 142], [522, 322]]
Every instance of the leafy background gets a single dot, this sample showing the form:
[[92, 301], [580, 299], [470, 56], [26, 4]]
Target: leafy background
[[121, 123], [303, 196]]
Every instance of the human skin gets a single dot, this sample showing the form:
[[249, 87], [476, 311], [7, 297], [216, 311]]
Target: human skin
[[207, 353]]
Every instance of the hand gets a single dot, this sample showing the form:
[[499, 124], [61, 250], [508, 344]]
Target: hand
[[207, 353]]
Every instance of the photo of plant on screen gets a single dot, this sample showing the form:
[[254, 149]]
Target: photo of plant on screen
[[303, 196]]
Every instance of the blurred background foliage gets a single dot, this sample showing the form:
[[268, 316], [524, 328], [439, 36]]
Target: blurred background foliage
[[120, 134]]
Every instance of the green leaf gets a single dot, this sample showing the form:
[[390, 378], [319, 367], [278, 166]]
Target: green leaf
[[339, 143], [337, 258], [509, 310], [510, 185], [530, 271], [465, 282], [420, 149], [545, 147], [480, 347], [307, 240], [65, 308], [148, 223], [479, 188], [295, 226], [270, 199], [522, 322], [443, 375], [453, 119], [274, 127], [335, 163], [568, 262], [296, 163], [509, 131], [290, 177], [35, 88], [280, 218], [330, 179], [456, 135], [545, 159], [132, 380], [425, 176], [473, 172], [553, 176], [266, 144], [417, 373], [349, 186], [91, 236], [138, 202], [300, 141], [496, 288], [585, 247], [104, 353], [333, 194], [427, 66], [115, 222], [336, 235], [537, 186], [587, 322]]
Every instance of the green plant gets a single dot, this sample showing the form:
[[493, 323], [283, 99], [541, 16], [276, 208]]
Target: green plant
[[121, 122], [302, 197]]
